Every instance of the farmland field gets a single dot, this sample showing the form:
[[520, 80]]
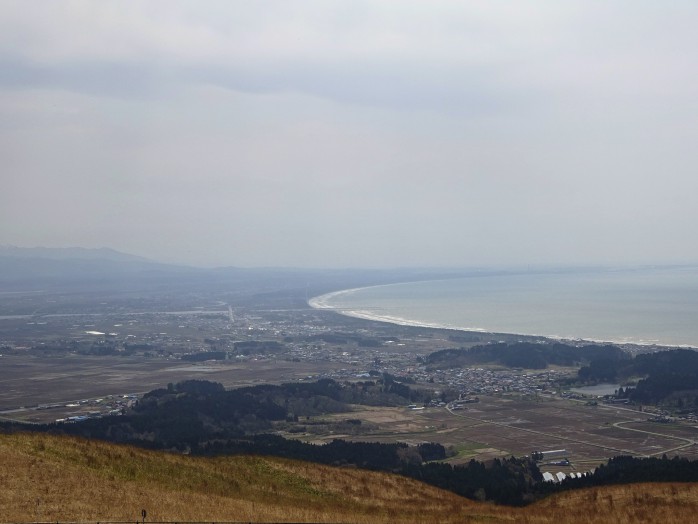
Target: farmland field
[[501, 426]]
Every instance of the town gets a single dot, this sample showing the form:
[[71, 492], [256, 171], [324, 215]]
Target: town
[[87, 365]]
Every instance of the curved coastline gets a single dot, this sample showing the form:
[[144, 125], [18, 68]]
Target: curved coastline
[[322, 302]]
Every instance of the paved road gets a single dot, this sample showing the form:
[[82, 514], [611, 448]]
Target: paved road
[[688, 442]]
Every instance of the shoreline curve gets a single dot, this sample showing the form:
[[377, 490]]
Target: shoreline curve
[[321, 302]]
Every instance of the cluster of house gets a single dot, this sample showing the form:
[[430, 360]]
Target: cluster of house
[[111, 405]]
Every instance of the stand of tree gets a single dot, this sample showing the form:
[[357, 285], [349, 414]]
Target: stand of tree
[[512, 481], [671, 377], [528, 355], [251, 347], [192, 414], [340, 338], [629, 470], [202, 356]]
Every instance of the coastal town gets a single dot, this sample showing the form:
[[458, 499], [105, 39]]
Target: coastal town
[[91, 363], [218, 341]]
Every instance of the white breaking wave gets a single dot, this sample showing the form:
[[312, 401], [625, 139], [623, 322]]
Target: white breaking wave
[[620, 307]]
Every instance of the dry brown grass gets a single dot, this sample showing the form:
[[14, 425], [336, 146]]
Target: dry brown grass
[[65, 479], [74, 479], [670, 503]]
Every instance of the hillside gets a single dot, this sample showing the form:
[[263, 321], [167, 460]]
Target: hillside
[[528, 355], [81, 480], [48, 478]]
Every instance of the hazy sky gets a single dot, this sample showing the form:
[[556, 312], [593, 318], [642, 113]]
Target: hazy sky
[[337, 134]]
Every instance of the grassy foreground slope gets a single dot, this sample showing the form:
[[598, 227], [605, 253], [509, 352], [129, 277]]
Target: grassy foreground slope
[[76, 479], [48, 478]]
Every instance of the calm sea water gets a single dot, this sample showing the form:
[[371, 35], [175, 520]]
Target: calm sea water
[[644, 306]]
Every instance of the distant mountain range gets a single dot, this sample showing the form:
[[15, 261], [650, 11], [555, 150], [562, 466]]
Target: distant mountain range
[[104, 270], [81, 253], [46, 268]]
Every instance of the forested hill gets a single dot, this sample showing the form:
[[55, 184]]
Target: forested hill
[[664, 377], [528, 355], [194, 414], [667, 377]]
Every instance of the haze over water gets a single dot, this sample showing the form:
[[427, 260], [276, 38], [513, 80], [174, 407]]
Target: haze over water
[[643, 306]]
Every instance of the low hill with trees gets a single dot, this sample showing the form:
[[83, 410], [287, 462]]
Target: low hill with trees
[[197, 416], [664, 377], [528, 355]]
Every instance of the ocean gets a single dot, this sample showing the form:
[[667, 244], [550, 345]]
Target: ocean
[[640, 306]]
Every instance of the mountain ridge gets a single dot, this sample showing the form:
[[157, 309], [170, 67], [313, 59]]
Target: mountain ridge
[[75, 252]]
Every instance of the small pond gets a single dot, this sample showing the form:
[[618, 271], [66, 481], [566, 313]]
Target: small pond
[[598, 390]]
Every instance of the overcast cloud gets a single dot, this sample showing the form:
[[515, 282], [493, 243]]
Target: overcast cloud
[[337, 134]]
